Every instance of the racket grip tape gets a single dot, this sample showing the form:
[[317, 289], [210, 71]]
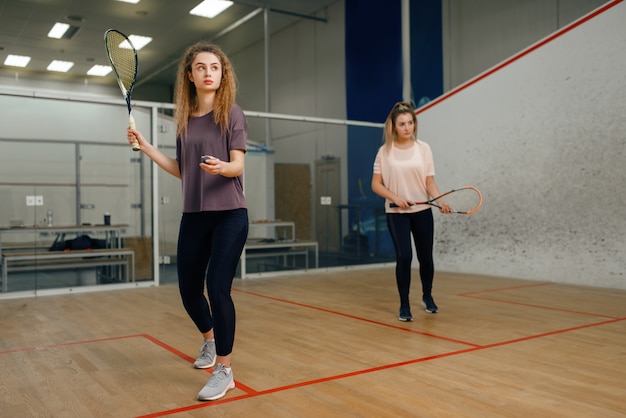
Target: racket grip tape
[[131, 124]]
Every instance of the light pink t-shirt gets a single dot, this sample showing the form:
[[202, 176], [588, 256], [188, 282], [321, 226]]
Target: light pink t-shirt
[[404, 172], [203, 191]]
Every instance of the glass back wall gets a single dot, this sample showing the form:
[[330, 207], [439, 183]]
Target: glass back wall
[[87, 182]]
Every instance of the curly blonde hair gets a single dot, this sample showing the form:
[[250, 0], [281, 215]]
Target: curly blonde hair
[[186, 96]]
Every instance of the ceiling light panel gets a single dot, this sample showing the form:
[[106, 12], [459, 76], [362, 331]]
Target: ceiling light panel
[[17, 61], [100, 70], [138, 41], [211, 8], [58, 30], [60, 66]]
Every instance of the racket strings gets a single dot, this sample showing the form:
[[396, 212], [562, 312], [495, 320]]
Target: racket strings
[[123, 59], [464, 200]]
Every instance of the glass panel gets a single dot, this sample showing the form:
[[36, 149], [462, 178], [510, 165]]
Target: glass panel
[[309, 196], [82, 197], [110, 194], [308, 207], [170, 202]]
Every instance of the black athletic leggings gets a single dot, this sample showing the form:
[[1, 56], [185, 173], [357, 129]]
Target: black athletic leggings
[[209, 247], [421, 225]]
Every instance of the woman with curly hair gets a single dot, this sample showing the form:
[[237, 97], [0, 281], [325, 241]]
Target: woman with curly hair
[[211, 136]]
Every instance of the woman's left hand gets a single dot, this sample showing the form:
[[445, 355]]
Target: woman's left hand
[[212, 165], [445, 207]]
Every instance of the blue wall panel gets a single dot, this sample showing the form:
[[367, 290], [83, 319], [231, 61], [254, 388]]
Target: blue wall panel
[[426, 51], [374, 79]]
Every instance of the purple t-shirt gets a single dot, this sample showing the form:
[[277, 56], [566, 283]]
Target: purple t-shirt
[[203, 191]]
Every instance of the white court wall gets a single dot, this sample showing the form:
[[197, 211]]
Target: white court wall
[[544, 138]]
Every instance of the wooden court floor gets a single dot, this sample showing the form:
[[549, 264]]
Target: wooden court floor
[[323, 345]]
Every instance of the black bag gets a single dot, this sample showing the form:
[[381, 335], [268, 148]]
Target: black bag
[[81, 242], [59, 243], [85, 242]]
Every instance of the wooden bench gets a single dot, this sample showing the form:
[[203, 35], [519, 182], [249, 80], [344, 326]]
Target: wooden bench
[[62, 260]]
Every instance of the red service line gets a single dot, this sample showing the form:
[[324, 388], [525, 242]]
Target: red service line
[[249, 391], [474, 294], [384, 324], [366, 371], [47, 347], [305, 383]]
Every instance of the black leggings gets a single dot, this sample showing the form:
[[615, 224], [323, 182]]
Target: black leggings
[[421, 225], [209, 247]]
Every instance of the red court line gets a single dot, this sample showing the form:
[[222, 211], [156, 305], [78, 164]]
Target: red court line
[[46, 347], [371, 370], [499, 289], [519, 55], [371, 321], [559, 331], [190, 359], [550, 308], [250, 393], [144, 336]]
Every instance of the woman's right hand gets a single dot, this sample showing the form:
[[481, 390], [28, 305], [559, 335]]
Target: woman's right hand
[[401, 202], [135, 136]]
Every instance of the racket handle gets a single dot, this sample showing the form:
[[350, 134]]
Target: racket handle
[[131, 124]]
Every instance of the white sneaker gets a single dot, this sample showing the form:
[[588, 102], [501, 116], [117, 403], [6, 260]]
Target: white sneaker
[[207, 355], [221, 381]]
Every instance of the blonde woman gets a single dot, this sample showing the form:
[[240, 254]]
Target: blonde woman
[[404, 173], [210, 148]]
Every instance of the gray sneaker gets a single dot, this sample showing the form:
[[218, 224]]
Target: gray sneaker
[[207, 355], [217, 386]]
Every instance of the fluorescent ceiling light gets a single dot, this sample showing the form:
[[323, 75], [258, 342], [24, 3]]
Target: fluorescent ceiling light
[[210, 8], [130, 1], [100, 70], [17, 61], [60, 66], [58, 30], [137, 41]]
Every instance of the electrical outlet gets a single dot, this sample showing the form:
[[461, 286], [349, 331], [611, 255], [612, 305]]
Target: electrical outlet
[[38, 200], [30, 200], [326, 200]]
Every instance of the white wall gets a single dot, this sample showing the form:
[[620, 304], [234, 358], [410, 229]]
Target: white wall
[[544, 138], [480, 33]]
